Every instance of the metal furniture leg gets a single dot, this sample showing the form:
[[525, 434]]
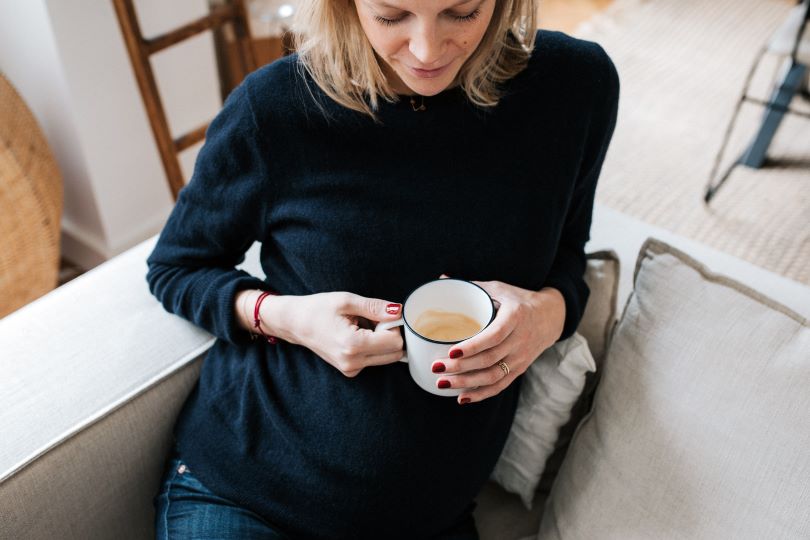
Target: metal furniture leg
[[775, 109], [754, 156]]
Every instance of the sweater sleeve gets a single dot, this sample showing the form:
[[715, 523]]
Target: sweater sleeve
[[218, 216], [568, 269]]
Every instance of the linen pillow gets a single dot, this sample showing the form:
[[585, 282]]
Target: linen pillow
[[699, 425], [602, 277], [540, 420], [550, 387]]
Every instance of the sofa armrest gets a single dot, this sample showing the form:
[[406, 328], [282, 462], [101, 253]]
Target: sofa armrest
[[94, 374], [78, 353]]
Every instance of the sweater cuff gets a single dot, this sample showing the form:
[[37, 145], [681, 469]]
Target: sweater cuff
[[576, 298], [230, 329]]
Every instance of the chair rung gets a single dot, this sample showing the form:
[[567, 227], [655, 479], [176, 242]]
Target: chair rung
[[189, 139], [218, 16], [775, 107]]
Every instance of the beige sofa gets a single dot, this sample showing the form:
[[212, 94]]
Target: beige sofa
[[93, 374]]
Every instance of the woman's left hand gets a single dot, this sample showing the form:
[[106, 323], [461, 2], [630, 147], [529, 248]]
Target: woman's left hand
[[526, 324]]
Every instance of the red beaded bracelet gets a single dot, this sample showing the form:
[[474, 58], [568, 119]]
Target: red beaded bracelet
[[257, 322]]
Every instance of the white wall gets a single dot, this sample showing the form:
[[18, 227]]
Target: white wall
[[68, 61], [28, 59]]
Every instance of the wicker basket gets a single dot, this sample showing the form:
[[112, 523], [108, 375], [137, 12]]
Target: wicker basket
[[30, 205]]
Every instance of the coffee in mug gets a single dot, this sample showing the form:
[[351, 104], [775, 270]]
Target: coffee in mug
[[446, 325]]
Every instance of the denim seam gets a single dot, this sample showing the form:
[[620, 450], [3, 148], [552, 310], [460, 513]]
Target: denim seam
[[169, 498]]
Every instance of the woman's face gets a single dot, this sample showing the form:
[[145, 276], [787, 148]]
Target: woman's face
[[424, 43]]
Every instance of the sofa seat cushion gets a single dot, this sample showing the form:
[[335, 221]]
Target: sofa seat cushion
[[699, 424], [500, 515]]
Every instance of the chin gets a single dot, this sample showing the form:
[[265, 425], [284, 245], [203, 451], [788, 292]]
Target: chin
[[429, 87], [428, 91]]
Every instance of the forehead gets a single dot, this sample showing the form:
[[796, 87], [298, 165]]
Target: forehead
[[419, 4]]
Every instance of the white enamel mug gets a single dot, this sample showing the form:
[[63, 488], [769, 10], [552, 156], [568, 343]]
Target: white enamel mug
[[449, 294]]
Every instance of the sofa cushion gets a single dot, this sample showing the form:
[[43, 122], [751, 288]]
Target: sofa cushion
[[602, 277], [500, 515], [699, 424], [549, 389], [553, 388]]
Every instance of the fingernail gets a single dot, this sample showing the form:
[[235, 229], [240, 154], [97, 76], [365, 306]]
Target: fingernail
[[438, 367], [393, 309], [456, 353], [444, 383], [465, 400]]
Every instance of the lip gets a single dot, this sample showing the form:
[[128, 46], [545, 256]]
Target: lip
[[428, 73]]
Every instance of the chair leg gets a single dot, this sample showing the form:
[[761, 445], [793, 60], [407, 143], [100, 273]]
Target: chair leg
[[754, 156], [714, 187], [711, 186]]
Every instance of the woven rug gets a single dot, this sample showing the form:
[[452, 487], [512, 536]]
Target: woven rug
[[682, 65]]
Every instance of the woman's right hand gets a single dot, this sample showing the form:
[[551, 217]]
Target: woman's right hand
[[337, 326]]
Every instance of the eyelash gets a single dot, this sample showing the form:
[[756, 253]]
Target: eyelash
[[458, 18]]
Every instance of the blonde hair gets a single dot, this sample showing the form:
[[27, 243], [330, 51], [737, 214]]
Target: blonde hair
[[333, 48]]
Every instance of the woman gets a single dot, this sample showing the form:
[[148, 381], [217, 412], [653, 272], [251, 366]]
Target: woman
[[407, 139]]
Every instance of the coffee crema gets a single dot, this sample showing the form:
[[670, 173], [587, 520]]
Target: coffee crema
[[446, 325]]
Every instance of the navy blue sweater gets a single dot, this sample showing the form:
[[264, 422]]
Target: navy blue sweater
[[341, 203]]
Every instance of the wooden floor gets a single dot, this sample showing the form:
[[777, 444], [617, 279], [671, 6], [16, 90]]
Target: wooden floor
[[567, 15]]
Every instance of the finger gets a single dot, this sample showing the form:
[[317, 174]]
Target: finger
[[382, 359], [369, 342], [479, 378], [484, 392], [465, 364], [492, 336], [443, 276], [373, 309]]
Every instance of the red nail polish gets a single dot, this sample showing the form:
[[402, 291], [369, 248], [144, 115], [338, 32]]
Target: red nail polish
[[456, 353], [444, 383], [438, 367], [393, 309], [465, 400]]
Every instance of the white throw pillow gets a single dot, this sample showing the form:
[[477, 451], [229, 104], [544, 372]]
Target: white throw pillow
[[699, 426], [550, 388]]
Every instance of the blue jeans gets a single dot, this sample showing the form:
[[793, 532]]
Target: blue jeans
[[185, 509]]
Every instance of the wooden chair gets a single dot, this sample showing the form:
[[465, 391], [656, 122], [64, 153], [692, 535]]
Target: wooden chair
[[140, 49]]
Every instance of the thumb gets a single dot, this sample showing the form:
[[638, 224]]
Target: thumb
[[373, 309]]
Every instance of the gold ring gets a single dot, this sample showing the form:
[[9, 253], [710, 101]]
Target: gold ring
[[504, 367]]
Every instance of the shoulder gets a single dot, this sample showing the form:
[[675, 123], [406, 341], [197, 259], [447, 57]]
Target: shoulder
[[273, 86], [283, 93], [573, 63]]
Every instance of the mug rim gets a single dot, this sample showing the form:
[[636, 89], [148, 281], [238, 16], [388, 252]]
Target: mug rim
[[405, 319]]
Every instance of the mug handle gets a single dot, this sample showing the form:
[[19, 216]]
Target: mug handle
[[382, 327]]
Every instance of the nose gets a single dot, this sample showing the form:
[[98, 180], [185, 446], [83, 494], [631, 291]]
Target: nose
[[426, 45]]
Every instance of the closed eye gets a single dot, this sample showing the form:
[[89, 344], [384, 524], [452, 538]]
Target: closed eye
[[471, 16]]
